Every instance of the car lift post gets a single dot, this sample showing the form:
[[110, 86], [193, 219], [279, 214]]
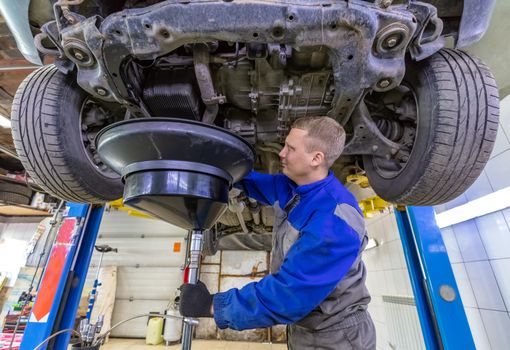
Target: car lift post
[[441, 312], [60, 290]]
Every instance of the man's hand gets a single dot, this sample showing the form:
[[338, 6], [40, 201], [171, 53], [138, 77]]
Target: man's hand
[[195, 301]]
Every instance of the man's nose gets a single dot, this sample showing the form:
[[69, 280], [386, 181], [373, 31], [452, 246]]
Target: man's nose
[[282, 153]]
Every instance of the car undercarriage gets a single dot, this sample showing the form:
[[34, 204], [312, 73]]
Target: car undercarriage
[[421, 119]]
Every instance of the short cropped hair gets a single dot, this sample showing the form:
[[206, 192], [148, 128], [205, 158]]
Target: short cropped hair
[[325, 135]]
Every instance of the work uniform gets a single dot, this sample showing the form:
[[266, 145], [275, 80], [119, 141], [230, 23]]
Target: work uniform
[[317, 280]]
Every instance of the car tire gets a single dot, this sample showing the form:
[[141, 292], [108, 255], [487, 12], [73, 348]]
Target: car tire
[[457, 122], [13, 193], [46, 128]]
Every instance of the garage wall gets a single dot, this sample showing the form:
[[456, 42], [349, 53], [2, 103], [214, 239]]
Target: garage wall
[[234, 269], [14, 238], [149, 271], [479, 250], [392, 306], [491, 48]]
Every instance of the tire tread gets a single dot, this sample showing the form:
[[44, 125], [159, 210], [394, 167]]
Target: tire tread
[[38, 141], [453, 167]]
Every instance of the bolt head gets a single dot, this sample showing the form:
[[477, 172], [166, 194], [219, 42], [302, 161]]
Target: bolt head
[[386, 3], [384, 83], [391, 42], [447, 293], [79, 56], [101, 92]]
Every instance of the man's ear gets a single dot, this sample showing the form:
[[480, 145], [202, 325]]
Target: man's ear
[[318, 159]]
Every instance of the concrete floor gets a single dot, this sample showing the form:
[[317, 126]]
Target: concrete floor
[[139, 344]]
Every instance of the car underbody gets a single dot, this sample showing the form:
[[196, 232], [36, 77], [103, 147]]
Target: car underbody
[[253, 67]]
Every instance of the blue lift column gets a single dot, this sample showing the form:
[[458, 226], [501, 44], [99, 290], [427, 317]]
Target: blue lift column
[[442, 317], [60, 290]]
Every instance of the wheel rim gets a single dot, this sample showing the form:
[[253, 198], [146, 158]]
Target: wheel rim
[[93, 118], [401, 102]]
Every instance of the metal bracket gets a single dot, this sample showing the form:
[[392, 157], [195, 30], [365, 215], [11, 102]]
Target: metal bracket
[[427, 40]]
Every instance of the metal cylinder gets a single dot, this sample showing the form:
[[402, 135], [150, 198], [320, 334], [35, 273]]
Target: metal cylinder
[[196, 242], [255, 211], [186, 336], [195, 253], [99, 266]]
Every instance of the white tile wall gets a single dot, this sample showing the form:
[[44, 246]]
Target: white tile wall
[[477, 329], [480, 251], [506, 214], [386, 273], [495, 235], [501, 268], [502, 144], [391, 288], [394, 253], [439, 208], [504, 119], [469, 242], [480, 188], [497, 325], [462, 199], [485, 287], [499, 178], [452, 247], [402, 281], [14, 238], [22, 231], [464, 285], [503, 138]]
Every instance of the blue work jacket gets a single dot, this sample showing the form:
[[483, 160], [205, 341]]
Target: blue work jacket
[[329, 231]]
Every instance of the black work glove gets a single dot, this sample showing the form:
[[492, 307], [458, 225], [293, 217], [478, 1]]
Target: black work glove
[[195, 300]]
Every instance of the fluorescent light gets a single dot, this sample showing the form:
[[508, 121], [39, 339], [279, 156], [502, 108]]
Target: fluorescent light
[[490, 203], [372, 243], [5, 122]]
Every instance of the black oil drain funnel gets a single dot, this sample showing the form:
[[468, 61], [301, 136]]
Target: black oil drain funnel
[[179, 171]]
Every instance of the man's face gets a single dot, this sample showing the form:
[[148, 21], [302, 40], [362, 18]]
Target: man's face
[[296, 161]]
